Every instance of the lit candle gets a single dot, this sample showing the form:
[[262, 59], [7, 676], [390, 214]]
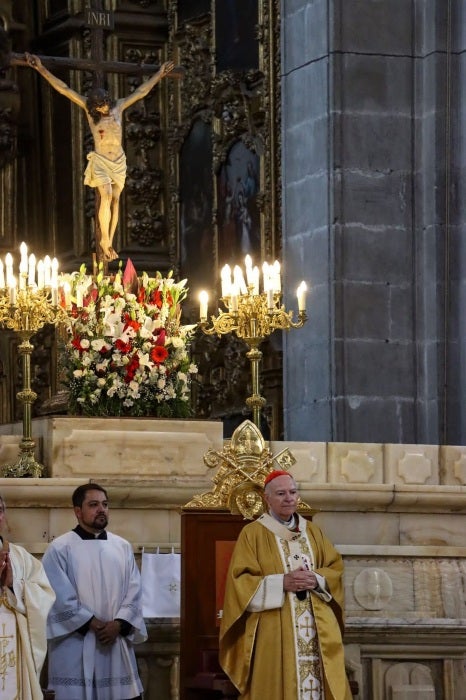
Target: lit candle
[[277, 284], [32, 270], [23, 266], [8, 268], [67, 292], [234, 299], [79, 297], [23, 263], [255, 280], [238, 280], [54, 294], [248, 265], [47, 270], [270, 300], [266, 276], [301, 294], [40, 274], [12, 290], [23, 276], [2, 276], [203, 300], [226, 281]]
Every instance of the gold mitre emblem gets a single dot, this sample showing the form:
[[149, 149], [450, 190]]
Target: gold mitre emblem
[[243, 465]]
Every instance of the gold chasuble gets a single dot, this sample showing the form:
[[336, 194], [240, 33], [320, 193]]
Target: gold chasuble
[[273, 645], [9, 656]]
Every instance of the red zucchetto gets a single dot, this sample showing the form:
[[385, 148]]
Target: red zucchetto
[[273, 475]]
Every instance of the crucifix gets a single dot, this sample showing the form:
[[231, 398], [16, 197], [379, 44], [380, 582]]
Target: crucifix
[[106, 169]]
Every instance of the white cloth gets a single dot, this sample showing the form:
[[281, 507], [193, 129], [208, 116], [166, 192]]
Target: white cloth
[[103, 171], [161, 584], [101, 578], [30, 601]]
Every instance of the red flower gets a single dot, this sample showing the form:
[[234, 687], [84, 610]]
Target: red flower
[[76, 343], [131, 368], [92, 296], [160, 334], [135, 325], [123, 347], [158, 354], [156, 298]]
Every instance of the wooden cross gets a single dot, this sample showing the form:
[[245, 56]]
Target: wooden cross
[[99, 21]]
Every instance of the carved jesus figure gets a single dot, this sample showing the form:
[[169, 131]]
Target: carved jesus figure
[[106, 168]]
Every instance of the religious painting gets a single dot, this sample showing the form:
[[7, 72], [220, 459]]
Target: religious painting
[[191, 9], [236, 41], [196, 193], [238, 184]]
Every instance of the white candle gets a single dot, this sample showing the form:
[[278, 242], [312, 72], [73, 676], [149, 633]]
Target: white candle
[[226, 281], [67, 292], [248, 266], [47, 270], [255, 280], [79, 297], [203, 301], [23, 263], [54, 293], [8, 268], [301, 294], [266, 276], [238, 280], [32, 270], [40, 274], [234, 299], [2, 276], [12, 290], [270, 301]]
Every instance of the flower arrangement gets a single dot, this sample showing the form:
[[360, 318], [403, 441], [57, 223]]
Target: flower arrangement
[[126, 353]]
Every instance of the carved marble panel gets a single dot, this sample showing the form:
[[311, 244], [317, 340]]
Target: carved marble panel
[[353, 463], [452, 465], [411, 464]]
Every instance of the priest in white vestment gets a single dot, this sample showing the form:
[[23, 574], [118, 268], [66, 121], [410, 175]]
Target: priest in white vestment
[[26, 598], [97, 617]]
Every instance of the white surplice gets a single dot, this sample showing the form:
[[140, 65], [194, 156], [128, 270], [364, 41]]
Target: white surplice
[[101, 578], [30, 600]]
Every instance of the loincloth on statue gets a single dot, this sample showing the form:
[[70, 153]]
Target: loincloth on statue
[[103, 171]]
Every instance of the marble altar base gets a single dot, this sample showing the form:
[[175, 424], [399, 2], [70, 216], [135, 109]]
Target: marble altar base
[[397, 513]]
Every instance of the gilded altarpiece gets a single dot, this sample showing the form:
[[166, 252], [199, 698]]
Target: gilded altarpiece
[[224, 168], [45, 139], [203, 185]]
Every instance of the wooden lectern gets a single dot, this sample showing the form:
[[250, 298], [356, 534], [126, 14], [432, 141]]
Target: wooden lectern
[[207, 540]]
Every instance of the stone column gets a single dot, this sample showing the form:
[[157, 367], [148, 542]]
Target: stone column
[[368, 94]]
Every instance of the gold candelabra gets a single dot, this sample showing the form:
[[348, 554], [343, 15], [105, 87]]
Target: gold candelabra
[[25, 308], [252, 315]]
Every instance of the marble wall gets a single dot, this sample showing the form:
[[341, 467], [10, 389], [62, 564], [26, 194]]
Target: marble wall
[[396, 512]]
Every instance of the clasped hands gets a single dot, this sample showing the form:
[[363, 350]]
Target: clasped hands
[[300, 580], [6, 572], [106, 632]]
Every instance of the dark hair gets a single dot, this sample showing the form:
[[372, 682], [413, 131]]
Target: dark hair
[[98, 97], [79, 494]]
